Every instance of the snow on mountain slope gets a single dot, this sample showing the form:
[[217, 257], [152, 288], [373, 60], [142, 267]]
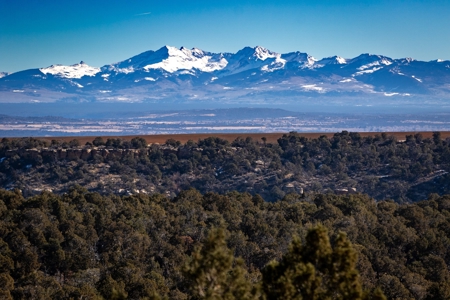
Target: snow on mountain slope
[[262, 53], [299, 59], [369, 63], [439, 60], [254, 58], [185, 59], [73, 71], [172, 73], [367, 59], [367, 70], [171, 59], [333, 60]]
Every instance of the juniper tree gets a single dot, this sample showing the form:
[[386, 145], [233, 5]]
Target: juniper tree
[[214, 274], [316, 271]]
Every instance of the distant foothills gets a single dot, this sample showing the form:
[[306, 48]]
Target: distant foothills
[[251, 75]]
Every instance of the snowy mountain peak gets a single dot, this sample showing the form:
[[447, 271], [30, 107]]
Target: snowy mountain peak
[[369, 63], [194, 52], [73, 71], [333, 60], [341, 60], [299, 59], [370, 58], [173, 50], [256, 53], [264, 53], [197, 52], [408, 59], [171, 72], [297, 56], [185, 59]]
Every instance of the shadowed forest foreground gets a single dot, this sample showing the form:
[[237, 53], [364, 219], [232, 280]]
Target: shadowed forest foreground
[[83, 245]]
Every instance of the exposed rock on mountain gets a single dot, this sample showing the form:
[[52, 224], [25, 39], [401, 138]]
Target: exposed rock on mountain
[[251, 74]]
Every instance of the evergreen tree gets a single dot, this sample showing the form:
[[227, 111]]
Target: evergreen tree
[[213, 273], [316, 271]]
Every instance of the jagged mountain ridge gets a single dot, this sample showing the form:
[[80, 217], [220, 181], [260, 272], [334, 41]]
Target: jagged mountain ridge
[[251, 73]]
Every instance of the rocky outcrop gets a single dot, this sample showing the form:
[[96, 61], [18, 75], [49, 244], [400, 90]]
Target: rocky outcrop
[[73, 154], [85, 154], [49, 154], [345, 191], [76, 153]]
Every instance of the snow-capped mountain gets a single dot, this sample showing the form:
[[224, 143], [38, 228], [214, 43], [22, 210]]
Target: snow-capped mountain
[[170, 59], [250, 74], [334, 60], [73, 71], [253, 58], [299, 60]]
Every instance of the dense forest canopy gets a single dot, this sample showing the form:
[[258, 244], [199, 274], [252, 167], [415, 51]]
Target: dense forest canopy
[[380, 166], [341, 217], [83, 245]]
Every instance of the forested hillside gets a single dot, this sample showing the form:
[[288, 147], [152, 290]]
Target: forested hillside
[[330, 218], [380, 166], [82, 245]]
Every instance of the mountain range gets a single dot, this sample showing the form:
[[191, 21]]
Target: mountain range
[[253, 75]]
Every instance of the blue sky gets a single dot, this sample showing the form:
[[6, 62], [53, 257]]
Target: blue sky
[[40, 33]]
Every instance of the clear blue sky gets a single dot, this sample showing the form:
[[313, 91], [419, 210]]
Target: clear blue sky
[[38, 33]]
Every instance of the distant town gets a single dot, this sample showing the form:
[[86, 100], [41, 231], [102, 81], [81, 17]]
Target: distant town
[[221, 121]]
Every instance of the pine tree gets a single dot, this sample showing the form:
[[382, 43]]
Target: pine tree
[[316, 271], [213, 273]]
